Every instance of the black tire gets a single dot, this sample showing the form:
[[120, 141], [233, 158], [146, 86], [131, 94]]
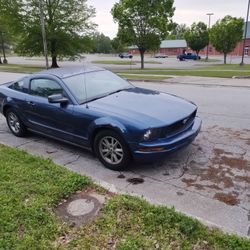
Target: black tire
[[112, 157], [15, 124]]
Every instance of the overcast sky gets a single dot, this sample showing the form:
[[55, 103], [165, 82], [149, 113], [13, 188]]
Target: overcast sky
[[187, 11]]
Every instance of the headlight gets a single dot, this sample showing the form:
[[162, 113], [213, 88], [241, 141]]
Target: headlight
[[152, 134]]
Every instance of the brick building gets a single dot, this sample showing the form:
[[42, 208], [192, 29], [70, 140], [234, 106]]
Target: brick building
[[175, 47], [168, 47], [238, 49]]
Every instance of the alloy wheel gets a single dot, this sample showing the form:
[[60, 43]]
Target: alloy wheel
[[111, 150]]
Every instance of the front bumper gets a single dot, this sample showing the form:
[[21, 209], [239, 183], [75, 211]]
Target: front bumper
[[145, 150]]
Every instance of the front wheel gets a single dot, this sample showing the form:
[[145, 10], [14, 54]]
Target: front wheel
[[112, 150], [15, 124]]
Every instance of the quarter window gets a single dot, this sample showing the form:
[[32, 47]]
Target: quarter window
[[18, 86], [44, 87]]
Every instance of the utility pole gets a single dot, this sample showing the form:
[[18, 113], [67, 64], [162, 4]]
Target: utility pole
[[245, 35], [45, 48], [209, 23]]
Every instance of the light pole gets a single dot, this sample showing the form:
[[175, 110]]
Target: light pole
[[209, 22], [245, 35], [45, 49]]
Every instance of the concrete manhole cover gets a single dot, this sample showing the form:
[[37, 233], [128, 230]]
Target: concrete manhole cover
[[80, 207]]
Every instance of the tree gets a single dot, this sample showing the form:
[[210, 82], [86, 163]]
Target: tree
[[143, 23], [226, 33], [66, 23], [101, 43], [5, 39], [178, 31], [118, 45], [197, 37]]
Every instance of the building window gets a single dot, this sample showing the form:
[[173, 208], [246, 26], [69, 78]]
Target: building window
[[246, 50]]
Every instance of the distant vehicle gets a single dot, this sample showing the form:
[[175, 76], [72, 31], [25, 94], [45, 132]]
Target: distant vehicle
[[76, 57], [126, 55], [188, 56], [160, 55]]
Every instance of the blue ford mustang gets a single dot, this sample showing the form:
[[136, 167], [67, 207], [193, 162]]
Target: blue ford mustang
[[94, 108]]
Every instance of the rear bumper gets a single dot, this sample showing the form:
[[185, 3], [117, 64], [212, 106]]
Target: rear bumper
[[145, 151]]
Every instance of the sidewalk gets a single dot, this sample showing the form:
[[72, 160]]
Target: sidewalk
[[209, 81]]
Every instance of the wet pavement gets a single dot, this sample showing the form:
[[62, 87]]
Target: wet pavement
[[209, 180]]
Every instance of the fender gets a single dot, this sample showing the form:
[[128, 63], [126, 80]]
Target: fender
[[108, 123]]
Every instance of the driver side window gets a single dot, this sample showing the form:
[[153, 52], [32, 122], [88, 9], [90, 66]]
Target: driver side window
[[44, 87]]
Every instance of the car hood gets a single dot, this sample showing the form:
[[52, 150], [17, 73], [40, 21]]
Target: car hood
[[143, 106]]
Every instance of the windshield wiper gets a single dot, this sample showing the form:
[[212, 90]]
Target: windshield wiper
[[102, 96], [119, 90]]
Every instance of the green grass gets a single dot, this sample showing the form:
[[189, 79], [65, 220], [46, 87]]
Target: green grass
[[236, 67], [209, 60], [214, 71], [143, 77], [149, 62], [131, 223], [17, 68], [31, 186], [114, 62], [123, 62]]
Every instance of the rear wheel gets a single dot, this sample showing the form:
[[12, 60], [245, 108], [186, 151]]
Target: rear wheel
[[15, 124], [112, 150]]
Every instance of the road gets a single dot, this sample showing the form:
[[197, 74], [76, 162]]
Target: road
[[170, 62], [209, 180]]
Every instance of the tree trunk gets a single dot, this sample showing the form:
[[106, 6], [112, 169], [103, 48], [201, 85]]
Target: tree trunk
[[0, 60], [142, 58], [225, 58], [54, 62], [54, 55]]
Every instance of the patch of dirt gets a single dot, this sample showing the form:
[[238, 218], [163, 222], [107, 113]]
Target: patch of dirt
[[179, 193], [135, 181], [121, 176], [241, 135], [191, 183], [243, 178], [21, 231], [224, 171], [228, 198], [217, 175], [233, 162], [218, 152], [199, 186]]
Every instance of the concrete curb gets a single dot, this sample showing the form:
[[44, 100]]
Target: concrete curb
[[189, 83]]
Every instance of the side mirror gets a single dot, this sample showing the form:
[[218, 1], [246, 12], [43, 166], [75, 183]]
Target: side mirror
[[57, 98]]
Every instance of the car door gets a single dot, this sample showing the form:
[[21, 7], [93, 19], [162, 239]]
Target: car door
[[53, 119]]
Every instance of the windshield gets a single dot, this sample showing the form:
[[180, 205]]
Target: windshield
[[98, 84]]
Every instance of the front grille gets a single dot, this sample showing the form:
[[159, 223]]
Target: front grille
[[179, 126]]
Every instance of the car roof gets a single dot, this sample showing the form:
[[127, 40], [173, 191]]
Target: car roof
[[70, 71]]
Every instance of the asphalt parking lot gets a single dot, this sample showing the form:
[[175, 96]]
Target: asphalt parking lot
[[209, 180], [170, 62]]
